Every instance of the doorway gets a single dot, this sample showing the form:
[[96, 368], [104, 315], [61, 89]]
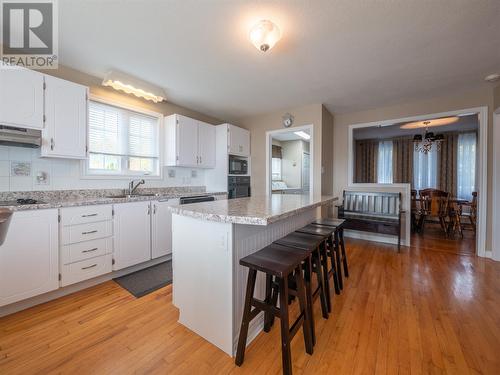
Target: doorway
[[289, 154]]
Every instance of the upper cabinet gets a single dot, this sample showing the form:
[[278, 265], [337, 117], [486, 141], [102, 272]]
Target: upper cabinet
[[238, 141], [21, 98], [64, 134], [189, 142]]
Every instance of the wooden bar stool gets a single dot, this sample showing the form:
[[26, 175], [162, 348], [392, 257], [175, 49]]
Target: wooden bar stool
[[327, 234], [278, 263], [338, 224]]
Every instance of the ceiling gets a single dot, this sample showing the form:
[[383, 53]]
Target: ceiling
[[348, 54], [469, 122]]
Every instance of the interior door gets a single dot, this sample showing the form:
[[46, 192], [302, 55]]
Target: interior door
[[66, 119], [162, 227], [187, 142], [132, 227], [206, 145], [21, 97]]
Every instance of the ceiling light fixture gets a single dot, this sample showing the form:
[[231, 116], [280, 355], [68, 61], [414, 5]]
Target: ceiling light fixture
[[264, 35], [130, 85], [430, 123], [302, 134], [492, 77]]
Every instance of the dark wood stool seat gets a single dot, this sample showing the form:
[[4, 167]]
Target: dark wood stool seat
[[338, 224], [278, 263]]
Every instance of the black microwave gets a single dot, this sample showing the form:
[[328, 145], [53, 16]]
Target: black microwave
[[238, 165]]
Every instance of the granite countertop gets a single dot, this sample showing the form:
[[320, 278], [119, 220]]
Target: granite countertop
[[83, 200], [262, 210]]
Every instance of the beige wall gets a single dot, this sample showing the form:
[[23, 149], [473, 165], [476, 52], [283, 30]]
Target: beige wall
[[259, 125], [496, 97], [327, 152], [482, 96], [94, 84]]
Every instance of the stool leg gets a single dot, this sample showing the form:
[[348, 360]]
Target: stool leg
[[344, 256], [321, 283], [269, 297], [326, 278], [286, 355], [242, 340], [304, 309], [337, 259], [309, 298], [334, 267]]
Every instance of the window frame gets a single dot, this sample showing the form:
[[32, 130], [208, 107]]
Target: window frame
[[84, 166]]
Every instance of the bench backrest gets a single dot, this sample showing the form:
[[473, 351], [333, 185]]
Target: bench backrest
[[377, 204]]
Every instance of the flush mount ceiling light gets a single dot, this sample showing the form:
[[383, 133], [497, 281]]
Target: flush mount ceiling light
[[264, 35], [430, 123], [492, 77], [131, 85], [302, 134]]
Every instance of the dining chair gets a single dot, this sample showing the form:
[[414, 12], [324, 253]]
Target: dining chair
[[434, 206]]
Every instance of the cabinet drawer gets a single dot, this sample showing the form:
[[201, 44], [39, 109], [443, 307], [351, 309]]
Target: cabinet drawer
[[85, 250], [85, 214], [86, 232], [86, 269]]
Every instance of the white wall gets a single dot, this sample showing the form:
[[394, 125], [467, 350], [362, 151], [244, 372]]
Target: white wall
[[65, 174]]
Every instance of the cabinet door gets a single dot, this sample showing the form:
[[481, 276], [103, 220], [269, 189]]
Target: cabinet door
[[21, 97], [161, 233], [29, 264], [65, 132], [132, 229], [206, 145], [239, 141], [187, 141]]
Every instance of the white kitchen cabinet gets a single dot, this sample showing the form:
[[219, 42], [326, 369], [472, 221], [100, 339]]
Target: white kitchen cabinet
[[206, 145], [238, 140], [65, 131], [161, 229], [21, 97], [29, 257], [189, 142], [132, 234]]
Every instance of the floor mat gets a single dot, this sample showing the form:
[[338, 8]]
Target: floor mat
[[147, 280]]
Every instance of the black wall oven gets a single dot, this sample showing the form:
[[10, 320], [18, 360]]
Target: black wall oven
[[238, 165], [238, 186]]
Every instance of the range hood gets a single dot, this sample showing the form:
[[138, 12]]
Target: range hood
[[19, 137]]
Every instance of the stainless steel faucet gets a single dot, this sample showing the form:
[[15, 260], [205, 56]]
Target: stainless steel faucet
[[132, 188]]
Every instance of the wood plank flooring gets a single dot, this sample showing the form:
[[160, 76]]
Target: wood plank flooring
[[418, 312]]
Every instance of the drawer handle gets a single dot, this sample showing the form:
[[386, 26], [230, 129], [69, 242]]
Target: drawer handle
[[90, 232], [89, 250], [89, 215], [92, 266]]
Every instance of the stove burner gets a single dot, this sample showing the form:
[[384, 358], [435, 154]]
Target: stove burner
[[26, 201]]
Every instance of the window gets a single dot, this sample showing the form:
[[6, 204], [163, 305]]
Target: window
[[122, 142], [466, 165], [425, 169], [276, 169], [384, 162]]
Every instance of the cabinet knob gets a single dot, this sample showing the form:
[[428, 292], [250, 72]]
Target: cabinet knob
[[52, 144]]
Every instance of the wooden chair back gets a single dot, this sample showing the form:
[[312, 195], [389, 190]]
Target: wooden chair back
[[435, 202]]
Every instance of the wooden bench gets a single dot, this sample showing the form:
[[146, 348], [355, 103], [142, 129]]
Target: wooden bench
[[376, 212]]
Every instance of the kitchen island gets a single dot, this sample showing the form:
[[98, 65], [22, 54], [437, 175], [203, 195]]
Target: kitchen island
[[209, 239]]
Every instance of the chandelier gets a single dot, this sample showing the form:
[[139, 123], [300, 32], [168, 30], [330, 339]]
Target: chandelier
[[425, 144]]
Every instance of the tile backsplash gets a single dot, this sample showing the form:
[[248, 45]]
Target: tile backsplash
[[22, 169]]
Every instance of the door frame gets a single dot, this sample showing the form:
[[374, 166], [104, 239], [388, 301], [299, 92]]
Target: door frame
[[482, 154], [269, 143], [495, 237]]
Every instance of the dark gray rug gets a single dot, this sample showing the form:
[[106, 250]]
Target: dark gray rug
[[147, 280]]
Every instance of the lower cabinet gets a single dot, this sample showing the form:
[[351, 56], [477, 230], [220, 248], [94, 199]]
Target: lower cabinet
[[29, 260], [161, 227], [132, 229]]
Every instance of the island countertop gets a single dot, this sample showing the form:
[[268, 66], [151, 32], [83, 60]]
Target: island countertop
[[258, 210]]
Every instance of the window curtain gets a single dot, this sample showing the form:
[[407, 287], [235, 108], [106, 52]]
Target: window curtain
[[384, 162], [466, 165], [276, 151], [366, 161], [447, 164], [425, 168], [402, 162]]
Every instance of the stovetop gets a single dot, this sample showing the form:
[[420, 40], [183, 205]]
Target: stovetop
[[21, 202]]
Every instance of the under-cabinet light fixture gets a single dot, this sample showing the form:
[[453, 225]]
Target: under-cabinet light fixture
[[131, 85]]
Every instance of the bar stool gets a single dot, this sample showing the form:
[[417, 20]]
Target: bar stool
[[327, 234], [278, 263], [312, 244], [338, 224]]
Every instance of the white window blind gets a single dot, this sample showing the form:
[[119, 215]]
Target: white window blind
[[384, 162], [122, 141]]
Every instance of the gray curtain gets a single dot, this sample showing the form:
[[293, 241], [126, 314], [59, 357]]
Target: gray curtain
[[402, 160], [366, 161]]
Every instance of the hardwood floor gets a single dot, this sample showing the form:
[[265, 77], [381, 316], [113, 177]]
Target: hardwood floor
[[434, 239], [419, 312]]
